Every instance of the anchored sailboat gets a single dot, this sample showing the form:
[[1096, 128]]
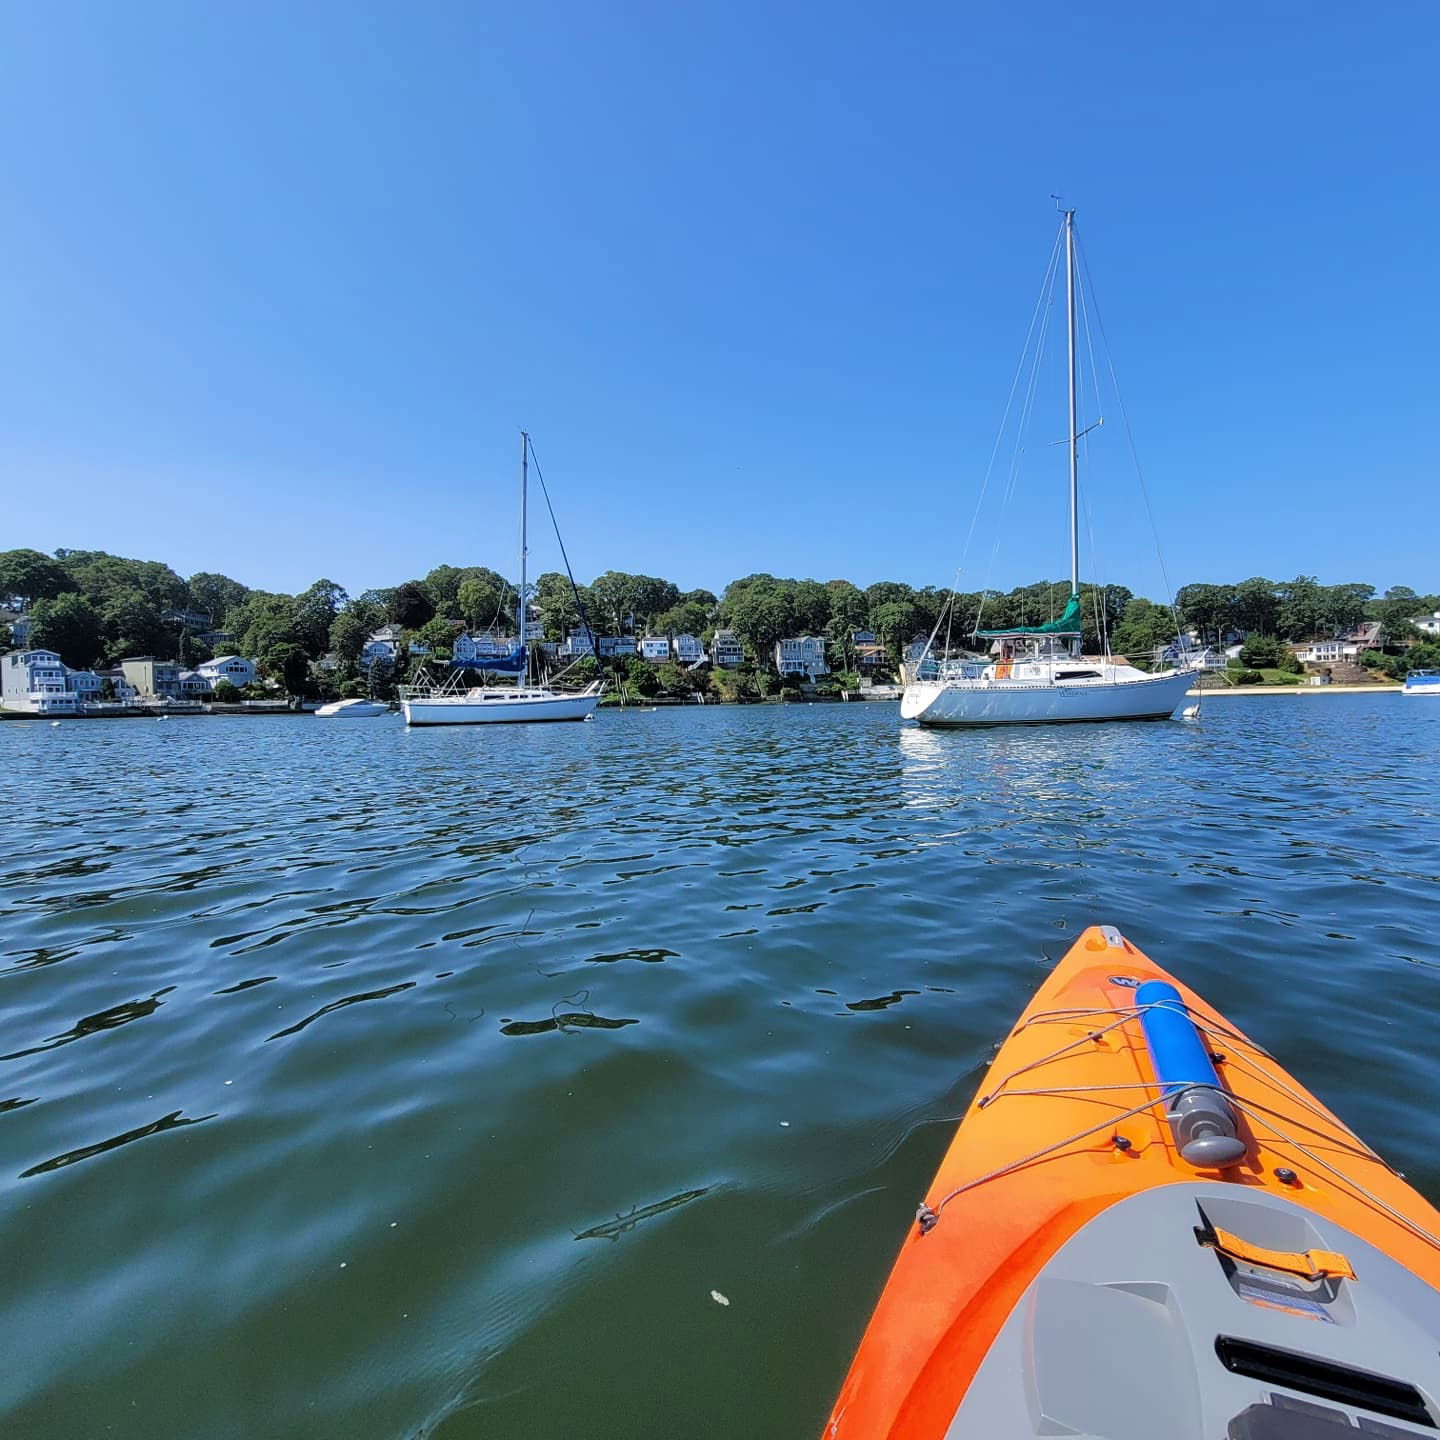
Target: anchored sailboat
[[502, 704], [1039, 675]]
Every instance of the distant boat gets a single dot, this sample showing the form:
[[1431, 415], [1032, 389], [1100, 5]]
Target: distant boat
[[1039, 675], [500, 704], [1422, 682], [358, 709]]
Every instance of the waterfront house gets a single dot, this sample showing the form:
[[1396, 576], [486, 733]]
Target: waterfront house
[[190, 619], [123, 689], [153, 679], [655, 648], [1325, 652], [194, 685], [614, 646], [239, 671], [577, 643], [869, 651], [726, 651], [801, 655], [19, 625], [33, 682], [384, 644], [86, 685], [475, 650], [687, 649]]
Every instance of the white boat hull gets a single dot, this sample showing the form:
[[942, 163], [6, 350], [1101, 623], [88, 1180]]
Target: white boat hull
[[518, 709], [1021, 702], [353, 710]]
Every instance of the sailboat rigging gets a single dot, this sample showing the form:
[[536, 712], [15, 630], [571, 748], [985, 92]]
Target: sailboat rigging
[[1039, 675], [529, 699]]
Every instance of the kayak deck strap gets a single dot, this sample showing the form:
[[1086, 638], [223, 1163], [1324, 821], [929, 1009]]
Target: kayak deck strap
[[1311, 1264]]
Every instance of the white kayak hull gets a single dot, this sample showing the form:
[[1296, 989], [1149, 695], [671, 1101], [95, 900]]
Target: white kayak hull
[[958, 703], [521, 709]]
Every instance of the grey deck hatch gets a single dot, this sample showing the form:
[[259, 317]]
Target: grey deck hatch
[[1135, 1330]]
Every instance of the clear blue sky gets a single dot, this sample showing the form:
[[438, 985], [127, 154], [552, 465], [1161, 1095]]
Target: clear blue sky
[[282, 280]]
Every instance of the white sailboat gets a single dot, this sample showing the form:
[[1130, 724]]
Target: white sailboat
[[1039, 675], [503, 704]]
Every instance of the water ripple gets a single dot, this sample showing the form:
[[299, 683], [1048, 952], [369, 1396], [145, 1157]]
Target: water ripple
[[756, 959]]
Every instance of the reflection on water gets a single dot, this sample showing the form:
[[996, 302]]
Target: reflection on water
[[768, 952]]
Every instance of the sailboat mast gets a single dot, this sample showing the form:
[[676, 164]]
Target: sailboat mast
[[1074, 439], [524, 545]]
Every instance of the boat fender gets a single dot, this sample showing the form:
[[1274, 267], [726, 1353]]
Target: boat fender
[[1201, 1118]]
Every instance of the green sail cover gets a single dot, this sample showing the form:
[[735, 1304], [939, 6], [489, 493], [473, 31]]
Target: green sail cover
[[1067, 624]]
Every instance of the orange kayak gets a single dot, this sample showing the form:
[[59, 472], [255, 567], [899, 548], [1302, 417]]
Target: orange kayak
[[1145, 1228]]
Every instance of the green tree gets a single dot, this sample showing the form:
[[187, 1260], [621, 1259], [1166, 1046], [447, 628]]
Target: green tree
[[102, 577], [555, 597], [759, 610], [288, 663], [1210, 609], [1144, 629], [689, 617], [29, 575], [438, 636], [1262, 652], [226, 693], [313, 613], [215, 595], [894, 622], [672, 679], [1256, 606], [349, 631], [1343, 606], [1302, 612], [848, 607], [480, 600], [650, 597], [70, 625], [639, 675], [810, 601], [131, 625], [410, 607]]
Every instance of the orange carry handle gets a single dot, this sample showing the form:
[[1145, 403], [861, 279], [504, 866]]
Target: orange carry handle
[[1312, 1264]]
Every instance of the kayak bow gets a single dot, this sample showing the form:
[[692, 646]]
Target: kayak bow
[[1143, 1228]]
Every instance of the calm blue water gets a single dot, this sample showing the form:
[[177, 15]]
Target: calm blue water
[[360, 1082]]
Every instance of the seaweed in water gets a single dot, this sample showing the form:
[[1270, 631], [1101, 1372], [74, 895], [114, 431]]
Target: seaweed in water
[[614, 1229], [173, 1121]]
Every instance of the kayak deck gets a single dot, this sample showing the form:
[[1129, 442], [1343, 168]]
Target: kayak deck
[[1064, 1189]]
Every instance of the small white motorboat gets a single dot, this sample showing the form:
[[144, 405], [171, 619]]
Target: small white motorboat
[[352, 709]]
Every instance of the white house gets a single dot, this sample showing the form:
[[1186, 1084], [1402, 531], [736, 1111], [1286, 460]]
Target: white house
[[33, 682], [655, 648], [801, 655], [687, 649], [577, 643], [1327, 652], [726, 651], [384, 644], [239, 671], [476, 649], [1428, 624]]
